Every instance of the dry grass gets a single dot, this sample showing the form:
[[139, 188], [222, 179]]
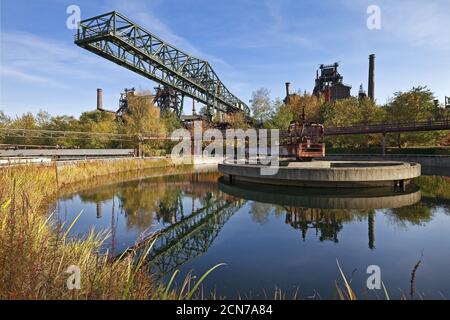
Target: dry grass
[[35, 253], [94, 169]]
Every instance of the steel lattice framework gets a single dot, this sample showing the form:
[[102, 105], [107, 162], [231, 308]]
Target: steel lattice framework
[[118, 39], [189, 237]]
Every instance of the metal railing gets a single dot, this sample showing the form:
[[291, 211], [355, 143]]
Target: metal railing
[[76, 135], [386, 127]]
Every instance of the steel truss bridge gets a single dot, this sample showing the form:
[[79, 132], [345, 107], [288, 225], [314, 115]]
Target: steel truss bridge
[[118, 39], [191, 236]]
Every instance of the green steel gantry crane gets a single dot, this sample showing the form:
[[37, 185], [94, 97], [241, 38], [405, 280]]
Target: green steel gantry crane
[[116, 38]]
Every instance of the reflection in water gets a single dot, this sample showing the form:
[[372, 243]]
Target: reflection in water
[[201, 221], [325, 198], [324, 211], [141, 206], [192, 236], [326, 224]]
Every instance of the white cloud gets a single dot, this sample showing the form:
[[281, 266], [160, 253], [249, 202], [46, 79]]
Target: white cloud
[[9, 73], [412, 22], [421, 23], [273, 29], [31, 58]]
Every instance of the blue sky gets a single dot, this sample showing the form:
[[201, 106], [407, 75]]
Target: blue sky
[[250, 44]]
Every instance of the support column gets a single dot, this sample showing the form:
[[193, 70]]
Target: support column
[[383, 144], [98, 208], [371, 229]]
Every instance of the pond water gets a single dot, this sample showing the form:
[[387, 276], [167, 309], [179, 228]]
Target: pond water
[[277, 238]]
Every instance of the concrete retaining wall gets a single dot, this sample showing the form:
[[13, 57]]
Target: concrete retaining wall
[[425, 161], [67, 153], [352, 176]]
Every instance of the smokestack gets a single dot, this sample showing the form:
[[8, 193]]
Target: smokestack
[[371, 86], [288, 86], [193, 107], [99, 99]]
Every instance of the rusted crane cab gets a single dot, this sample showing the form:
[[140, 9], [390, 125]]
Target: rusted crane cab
[[306, 140]]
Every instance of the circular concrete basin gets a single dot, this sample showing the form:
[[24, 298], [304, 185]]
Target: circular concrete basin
[[348, 174]]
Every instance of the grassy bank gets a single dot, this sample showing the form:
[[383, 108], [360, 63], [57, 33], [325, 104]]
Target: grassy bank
[[35, 253]]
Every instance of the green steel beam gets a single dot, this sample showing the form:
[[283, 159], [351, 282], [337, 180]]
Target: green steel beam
[[116, 38]]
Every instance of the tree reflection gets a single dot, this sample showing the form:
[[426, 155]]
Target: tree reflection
[[435, 187], [260, 212], [139, 205], [416, 215], [170, 208], [154, 200]]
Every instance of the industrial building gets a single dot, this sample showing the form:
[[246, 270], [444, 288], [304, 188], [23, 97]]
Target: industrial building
[[330, 83]]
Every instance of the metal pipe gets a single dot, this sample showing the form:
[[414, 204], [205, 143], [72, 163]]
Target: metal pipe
[[371, 85]]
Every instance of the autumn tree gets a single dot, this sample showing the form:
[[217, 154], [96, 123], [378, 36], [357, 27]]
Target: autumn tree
[[237, 120], [143, 117], [312, 105]]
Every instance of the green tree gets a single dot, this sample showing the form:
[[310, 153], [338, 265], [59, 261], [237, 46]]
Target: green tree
[[261, 105], [43, 119], [96, 121], [416, 104], [5, 121], [170, 121], [282, 117], [340, 113], [25, 121]]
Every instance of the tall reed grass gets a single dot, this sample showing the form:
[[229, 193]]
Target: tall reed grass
[[35, 253]]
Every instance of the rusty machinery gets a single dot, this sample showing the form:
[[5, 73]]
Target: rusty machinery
[[305, 139]]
